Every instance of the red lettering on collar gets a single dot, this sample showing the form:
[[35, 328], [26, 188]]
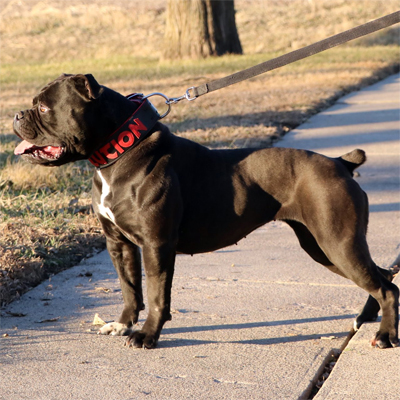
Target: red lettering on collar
[[126, 139], [97, 159], [128, 135], [105, 150], [136, 128], [117, 146], [114, 149]]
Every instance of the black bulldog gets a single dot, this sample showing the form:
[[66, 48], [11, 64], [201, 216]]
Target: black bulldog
[[162, 194]]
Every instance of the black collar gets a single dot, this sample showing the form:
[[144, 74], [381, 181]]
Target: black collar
[[136, 128]]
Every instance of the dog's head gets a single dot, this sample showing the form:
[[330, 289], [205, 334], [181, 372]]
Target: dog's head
[[67, 119]]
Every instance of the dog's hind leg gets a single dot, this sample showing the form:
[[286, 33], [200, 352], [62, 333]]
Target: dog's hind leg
[[311, 247], [385, 295], [363, 271], [351, 256], [309, 244], [371, 309]]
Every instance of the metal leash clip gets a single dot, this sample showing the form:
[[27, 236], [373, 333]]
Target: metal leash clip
[[172, 100], [185, 96]]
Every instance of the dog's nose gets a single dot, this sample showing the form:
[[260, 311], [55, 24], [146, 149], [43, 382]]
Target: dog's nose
[[19, 115]]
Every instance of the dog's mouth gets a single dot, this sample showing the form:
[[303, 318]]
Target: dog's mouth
[[47, 153]]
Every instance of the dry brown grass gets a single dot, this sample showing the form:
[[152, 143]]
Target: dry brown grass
[[31, 252], [57, 30], [46, 222]]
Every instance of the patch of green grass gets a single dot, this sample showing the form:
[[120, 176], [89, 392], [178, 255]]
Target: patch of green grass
[[130, 68]]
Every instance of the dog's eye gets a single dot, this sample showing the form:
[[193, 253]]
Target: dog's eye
[[43, 109]]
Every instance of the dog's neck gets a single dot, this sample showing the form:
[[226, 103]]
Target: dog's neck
[[129, 134]]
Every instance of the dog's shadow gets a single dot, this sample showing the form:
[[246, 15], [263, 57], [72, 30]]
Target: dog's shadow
[[165, 342]]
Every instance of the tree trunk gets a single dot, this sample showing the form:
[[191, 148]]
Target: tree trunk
[[200, 28]]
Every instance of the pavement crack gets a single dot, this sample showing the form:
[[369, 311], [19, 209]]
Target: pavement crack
[[325, 370]]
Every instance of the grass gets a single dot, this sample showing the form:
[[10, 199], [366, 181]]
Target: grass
[[46, 221], [129, 67]]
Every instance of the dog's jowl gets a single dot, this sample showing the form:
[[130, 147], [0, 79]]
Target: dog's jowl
[[162, 194]]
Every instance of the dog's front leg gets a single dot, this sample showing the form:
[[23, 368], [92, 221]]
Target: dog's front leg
[[127, 262], [159, 267]]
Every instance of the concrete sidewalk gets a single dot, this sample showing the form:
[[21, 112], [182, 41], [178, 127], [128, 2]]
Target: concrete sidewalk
[[252, 321]]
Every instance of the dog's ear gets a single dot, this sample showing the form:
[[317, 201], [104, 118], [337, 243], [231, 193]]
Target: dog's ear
[[88, 86], [93, 88]]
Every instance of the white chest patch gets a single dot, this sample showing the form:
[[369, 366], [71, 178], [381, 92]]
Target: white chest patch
[[105, 191]]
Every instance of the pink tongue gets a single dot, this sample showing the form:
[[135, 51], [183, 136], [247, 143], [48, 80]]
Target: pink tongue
[[22, 147]]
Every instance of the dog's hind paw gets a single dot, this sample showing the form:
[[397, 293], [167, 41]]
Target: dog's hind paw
[[114, 329], [384, 341]]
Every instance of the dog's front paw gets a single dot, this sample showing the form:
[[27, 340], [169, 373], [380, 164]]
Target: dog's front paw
[[141, 339], [384, 340], [114, 329]]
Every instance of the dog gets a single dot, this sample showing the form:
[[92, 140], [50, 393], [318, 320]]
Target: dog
[[157, 195]]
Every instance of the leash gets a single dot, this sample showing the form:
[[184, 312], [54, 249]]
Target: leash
[[193, 92]]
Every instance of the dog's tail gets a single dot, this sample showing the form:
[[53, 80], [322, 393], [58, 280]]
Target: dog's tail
[[353, 159]]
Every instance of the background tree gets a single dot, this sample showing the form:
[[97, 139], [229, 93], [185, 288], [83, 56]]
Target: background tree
[[200, 28]]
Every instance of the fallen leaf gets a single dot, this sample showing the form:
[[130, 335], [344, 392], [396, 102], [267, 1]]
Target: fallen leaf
[[103, 289], [97, 320], [328, 337]]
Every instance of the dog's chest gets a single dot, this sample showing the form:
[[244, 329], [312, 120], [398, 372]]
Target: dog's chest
[[103, 204]]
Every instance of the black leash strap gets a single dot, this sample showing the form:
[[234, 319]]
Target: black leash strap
[[293, 56]]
